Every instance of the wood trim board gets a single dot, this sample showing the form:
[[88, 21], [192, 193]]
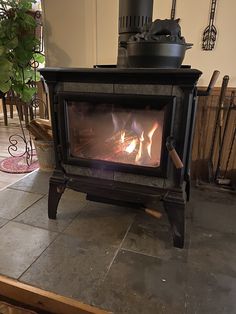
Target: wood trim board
[[43, 300]]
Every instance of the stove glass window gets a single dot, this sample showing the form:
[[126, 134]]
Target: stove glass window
[[114, 133]]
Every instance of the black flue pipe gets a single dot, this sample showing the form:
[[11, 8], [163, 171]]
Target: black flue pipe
[[133, 15]]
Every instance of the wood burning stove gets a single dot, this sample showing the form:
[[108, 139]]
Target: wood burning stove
[[111, 129]]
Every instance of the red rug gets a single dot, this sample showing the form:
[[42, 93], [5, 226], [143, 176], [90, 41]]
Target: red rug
[[18, 165]]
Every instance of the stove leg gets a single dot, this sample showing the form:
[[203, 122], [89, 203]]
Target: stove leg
[[57, 185], [176, 214]]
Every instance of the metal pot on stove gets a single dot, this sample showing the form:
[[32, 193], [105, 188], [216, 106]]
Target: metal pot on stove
[[159, 45]]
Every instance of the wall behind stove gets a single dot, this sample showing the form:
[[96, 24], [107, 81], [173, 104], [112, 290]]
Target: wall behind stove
[[194, 18], [85, 32], [70, 32]]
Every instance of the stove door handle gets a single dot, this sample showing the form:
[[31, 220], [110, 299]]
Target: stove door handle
[[173, 153], [175, 158]]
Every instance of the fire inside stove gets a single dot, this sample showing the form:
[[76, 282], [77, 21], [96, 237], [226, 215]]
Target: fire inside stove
[[114, 133]]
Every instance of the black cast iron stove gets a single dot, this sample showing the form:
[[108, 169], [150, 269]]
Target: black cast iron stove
[[112, 131]]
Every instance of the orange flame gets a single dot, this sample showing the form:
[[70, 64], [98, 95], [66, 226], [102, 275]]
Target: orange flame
[[150, 135], [122, 137], [139, 154]]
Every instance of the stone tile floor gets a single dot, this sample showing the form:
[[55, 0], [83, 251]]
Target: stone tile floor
[[118, 258]]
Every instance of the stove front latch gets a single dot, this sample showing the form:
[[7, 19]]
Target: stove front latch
[[172, 153]]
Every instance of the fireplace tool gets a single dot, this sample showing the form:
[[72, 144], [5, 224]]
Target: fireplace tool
[[200, 92], [216, 126], [231, 146], [211, 85], [222, 139]]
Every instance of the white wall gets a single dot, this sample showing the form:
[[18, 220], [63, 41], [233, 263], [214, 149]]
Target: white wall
[[85, 32], [194, 17], [107, 31], [70, 32]]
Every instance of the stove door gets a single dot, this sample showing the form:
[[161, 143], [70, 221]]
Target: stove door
[[118, 132]]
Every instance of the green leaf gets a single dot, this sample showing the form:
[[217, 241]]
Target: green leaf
[[2, 50], [25, 4], [37, 77], [5, 86], [27, 22], [17, 48], [6, 69], [22, 55], [12, 43], [27, 93], [17, 87], [39, 57], [29, 74]]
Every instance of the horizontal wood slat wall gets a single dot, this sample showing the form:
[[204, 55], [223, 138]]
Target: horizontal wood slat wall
[[205, 122]]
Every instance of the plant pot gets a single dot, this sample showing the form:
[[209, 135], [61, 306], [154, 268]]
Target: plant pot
[[45, 154], [152, 54]]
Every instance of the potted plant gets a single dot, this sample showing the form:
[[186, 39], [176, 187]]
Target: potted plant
[[18, 46]]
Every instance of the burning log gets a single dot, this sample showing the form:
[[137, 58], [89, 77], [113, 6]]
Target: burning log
[[122, 136], [123, 146], [84, 147]]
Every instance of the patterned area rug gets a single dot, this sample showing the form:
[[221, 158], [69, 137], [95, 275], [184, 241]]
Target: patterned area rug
[[18, 165]]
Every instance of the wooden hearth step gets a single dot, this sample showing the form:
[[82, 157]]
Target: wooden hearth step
[[37, 299]]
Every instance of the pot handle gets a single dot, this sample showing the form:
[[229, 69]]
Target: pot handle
[[188, 45], [123, 44]]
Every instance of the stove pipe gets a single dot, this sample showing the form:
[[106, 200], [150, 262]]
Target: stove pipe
[[133, 15]]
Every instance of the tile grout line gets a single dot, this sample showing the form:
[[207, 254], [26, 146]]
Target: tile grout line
[[76, 216], [7, 186], [18, 189], [58, 234], [56, 237], [141, 253], [44, 228], [118, 249], [11, 185], [12, 219]]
